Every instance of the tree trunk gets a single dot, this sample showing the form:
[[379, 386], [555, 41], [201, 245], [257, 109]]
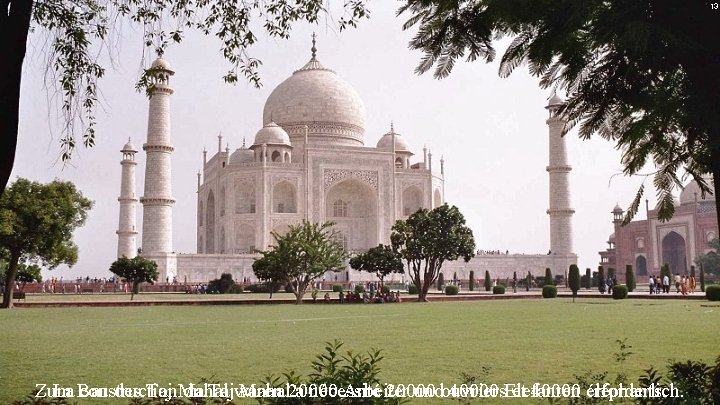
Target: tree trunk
[[299, 297], [716, 179], [10, 280], [14, 26], [135, 289]]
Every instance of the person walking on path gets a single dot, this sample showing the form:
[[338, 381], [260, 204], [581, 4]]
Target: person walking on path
[[691, 284]]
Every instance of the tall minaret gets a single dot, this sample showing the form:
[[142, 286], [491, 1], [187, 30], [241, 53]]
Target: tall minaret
[[157, 200], [559, 170], [126, 227]]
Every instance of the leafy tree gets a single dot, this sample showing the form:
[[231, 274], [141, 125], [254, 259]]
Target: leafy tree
[[574, 279], [630, 278], [588, 278], [710, 261], [429, 238], [601, 279], [548, 277], [381, 260], [28, 273], [136, 271], [642, 74], [487, 283], [78, 33], [36, 223], [306, 252], [471, 282]]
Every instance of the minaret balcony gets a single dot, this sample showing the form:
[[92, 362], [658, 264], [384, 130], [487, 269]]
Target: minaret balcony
[[160, 148]]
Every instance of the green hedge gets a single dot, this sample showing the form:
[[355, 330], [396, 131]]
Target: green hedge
[[549, 291], [619, 292], [359, 289], [412, 289], [451, 290], [712, 292], [499, 289], [337, 288]]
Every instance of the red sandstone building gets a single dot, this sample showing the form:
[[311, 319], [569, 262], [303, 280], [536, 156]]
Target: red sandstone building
[[648, 244]]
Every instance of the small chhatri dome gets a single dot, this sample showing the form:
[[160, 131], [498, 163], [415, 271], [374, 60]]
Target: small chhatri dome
[[555, 101], [272, 134], [691, 192], [617, 208], [385, 141], [161, 64], [129, 147], [242, 155], [316, 97]]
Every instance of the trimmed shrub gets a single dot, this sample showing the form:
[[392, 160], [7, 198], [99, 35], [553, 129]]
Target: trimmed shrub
[[360, 289], [712, 292], [692, 271], [499, 289], [665, 271], [702, 278], [451, 290], [588, 278], [574, 279], [412, 289], [630, 278], [619, 292], [548, 277], [471, 283], [583, 280], [440, 281], [601, 279], [487, 283], [549, 291], [337, 288], [224, 285], [612, 273], [261, 288], [385, 289]]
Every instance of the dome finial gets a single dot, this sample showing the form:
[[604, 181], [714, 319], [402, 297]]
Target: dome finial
[[392, 127], [243, 146], [313, 49]]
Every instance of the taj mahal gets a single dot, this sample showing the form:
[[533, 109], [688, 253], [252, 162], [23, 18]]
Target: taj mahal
[[309, 162]]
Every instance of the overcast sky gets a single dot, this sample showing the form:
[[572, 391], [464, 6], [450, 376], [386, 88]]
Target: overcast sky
[[491, 132]]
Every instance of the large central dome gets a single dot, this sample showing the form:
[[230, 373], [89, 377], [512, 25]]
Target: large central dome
[[316, 97]]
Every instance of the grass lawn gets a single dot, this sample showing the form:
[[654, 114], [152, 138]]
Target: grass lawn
[[528, 341]]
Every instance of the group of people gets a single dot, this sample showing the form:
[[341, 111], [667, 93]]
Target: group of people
[[607, 285], [492, 252], [683, 284], [78, 285], [365, 297]]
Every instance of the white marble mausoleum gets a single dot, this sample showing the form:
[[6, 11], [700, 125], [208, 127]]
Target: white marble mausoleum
[[309, 161]]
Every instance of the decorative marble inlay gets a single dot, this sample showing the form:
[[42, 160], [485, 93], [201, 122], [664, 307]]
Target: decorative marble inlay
[[332, 176]]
